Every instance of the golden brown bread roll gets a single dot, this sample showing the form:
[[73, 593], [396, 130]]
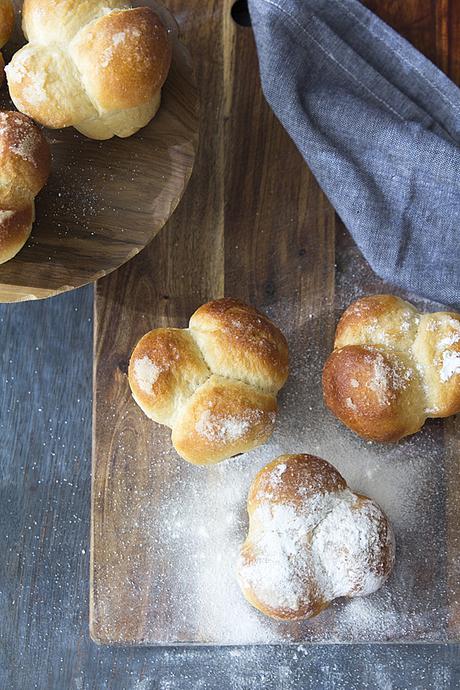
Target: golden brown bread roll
[[215, 383], [310, 540], [25, 162], [6, 27], [393, 367], [96, 65]]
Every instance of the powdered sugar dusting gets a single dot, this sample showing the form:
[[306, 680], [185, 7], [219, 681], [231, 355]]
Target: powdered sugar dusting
[[26, 146], [350, 404], [18, 70], [117, 39], [5, 215], [146, 373], [347, 548], [19, 137], [450, 365], [453, 338], [279, 572], [226, 429], [448, 358], [387, 378]]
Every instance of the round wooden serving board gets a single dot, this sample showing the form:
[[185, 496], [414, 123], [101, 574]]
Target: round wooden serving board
[[105, 200]]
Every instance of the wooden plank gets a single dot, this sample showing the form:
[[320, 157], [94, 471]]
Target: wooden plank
[[182, 268], [255, 225]]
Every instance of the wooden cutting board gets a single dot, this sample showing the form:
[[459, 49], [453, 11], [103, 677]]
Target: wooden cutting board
[[254, 224]]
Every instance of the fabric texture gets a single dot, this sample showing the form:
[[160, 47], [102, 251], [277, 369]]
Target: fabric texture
[[378, 125]]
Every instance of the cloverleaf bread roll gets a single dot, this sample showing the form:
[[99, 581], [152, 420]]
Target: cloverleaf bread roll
[[96, 65], [310, 540], [25, 163], [214, 383], [392, 367], [6, 27]]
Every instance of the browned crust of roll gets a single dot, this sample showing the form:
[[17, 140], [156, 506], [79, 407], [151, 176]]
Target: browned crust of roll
[[15, 228], [392, 368], [25, 161], [222, 419], [305, 475], [172, 362], [43, 16], [124, 58], [238, 341], [377, 412], [366, 310]]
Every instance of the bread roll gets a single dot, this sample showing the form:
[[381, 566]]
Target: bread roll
[[393, 367], [215, 383], [25, 162], [6, 27], [96, 65], [311, 540]]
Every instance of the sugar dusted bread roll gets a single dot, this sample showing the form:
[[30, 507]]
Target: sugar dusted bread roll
[[311, 540], [6, 27], [96, 65], [215, 383], [25, 163], [393, 367]]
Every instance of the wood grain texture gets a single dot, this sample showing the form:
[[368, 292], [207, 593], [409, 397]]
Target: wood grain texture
[[253, 224], [181, 269], [106, 200]]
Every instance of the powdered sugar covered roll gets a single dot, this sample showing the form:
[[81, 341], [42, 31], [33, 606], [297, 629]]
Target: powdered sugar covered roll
[[311, 540]]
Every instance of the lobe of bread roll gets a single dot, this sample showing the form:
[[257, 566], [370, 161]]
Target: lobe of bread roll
[[215, 383], [310, 540], [392, 368], [25, 162], [6, 28], [96, 65]]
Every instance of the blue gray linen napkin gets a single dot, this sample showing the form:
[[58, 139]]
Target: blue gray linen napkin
[[379, 126]]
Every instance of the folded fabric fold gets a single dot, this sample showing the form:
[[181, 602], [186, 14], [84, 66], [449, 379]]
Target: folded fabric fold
[[379, 126]]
